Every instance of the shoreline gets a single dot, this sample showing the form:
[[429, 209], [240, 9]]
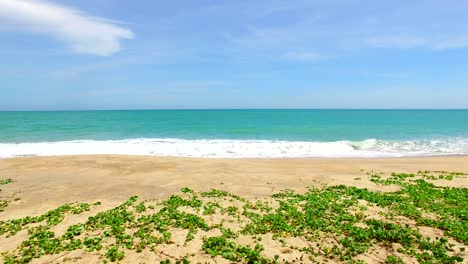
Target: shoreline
[[242, 148], [241, 158]]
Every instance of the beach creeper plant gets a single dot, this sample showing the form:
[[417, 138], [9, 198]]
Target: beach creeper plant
[[335, 223], [5, 181], [4, 203]]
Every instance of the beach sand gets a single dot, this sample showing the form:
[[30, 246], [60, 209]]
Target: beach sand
[[44, 183]]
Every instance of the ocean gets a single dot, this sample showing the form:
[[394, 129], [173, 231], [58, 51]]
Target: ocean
[[236, 133]]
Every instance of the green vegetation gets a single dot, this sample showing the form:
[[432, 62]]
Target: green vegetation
[[5, 181], [336, 222], [4, 203], [229, 250]]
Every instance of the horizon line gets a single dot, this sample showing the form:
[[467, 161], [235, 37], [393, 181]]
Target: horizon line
[[221, 109]]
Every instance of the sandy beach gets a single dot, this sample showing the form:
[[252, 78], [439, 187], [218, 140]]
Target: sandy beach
[[44, 183]]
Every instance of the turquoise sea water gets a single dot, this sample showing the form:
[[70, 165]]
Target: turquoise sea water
[[236, 133]]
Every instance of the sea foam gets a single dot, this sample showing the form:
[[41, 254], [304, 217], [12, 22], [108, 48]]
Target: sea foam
[[239, 148]]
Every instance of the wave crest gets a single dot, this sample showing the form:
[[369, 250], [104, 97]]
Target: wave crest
[[240, 148]]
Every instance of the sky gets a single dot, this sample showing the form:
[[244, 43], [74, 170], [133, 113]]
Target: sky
[[151, 54]]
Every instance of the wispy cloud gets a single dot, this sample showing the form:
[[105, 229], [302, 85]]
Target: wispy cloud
[[397, 41], [303, 56], [454, 43], [75, 71], [81, 32], [335, 28], [409, 42], [108, 64]]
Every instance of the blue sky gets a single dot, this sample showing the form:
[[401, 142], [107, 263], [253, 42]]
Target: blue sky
[[107, 54]]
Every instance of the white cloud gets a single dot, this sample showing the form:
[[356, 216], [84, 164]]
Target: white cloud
[[81, 32], [303, 56]]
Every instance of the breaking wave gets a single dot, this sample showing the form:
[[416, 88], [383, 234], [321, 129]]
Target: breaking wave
[[240, 148]]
